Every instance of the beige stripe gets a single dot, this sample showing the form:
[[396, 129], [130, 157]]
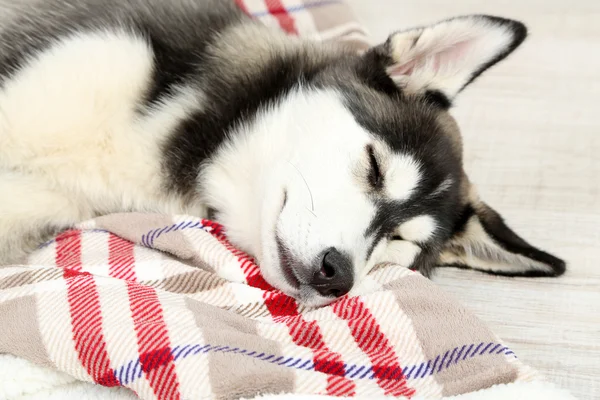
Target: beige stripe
[[132, 226], [341, 30], [330, 16], [252, 310], [29, 277], [442, 324], [20, 335], [188, 282], [235, 374]]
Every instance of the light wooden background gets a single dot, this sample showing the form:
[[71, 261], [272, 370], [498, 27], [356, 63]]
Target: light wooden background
[[532, 137]]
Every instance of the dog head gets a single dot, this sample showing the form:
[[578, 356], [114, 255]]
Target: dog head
[[362, 164]]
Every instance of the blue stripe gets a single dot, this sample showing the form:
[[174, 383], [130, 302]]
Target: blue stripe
[[485, 348], [369, 371], [468, 351], [459, 354], [132, 370], [434, 364], [286, 361], [151, 237], [419, 370], [443, 359], [451, 355], [426, 369], [494, 348], [357, 371], [294, 9], [161, 231], [294, 363], [477, 349]]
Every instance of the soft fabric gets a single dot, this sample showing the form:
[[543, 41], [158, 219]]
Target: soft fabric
[[167, 307]]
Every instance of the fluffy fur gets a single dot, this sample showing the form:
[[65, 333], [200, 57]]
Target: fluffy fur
[[318, 161]]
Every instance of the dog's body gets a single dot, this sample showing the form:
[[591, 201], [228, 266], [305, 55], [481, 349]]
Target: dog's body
[[318, 161]]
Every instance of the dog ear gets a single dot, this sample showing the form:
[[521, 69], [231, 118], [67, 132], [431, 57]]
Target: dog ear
[[443, 58], [483, 241]]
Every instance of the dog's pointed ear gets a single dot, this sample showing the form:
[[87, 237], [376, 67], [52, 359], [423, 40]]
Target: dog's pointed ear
[[443, 58], [483, 241]]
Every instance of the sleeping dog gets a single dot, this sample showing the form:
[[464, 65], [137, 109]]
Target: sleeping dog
[[320, 162]]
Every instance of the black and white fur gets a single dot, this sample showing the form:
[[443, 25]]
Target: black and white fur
[[319, 162]]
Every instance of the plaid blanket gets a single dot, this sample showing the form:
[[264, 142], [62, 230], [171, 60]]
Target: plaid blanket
[[166, 307]]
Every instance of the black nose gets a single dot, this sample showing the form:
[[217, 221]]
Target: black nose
[[335, 276]]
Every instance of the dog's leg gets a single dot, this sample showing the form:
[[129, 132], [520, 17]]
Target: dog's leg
[[30, 212]]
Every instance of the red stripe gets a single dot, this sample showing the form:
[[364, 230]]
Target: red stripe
[[366, 332], [284, 309], [154, 345], [362, 324], [308, 334], [121, 259], [277, 9], [85, 310]]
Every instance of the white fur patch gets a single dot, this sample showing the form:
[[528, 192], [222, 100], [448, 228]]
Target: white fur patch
[[70, 124], [310, 147], [418, 229], [402, 177], [401, 252]]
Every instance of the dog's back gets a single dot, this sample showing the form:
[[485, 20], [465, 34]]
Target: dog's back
[[89, 92]]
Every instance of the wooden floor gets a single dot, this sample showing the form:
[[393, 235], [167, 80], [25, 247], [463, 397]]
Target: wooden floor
[[532, 137]]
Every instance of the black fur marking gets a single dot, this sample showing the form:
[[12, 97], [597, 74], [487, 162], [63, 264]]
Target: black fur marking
[[177, 62], [530, 273], [437, 98], [199, 136], [375, 175], [496, 228], [172, 66], [371, 70], [411, 126], [519, 31], [464, 217]]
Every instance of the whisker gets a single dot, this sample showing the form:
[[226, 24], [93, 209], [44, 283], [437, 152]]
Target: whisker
[[312, 203]]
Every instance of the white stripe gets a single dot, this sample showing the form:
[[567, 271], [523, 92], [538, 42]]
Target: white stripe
[[55, 326], [261, 6], [148, 264], [338, 338], [94, 253], [402, 337], [210, 250], [45, 256], [303, 18], [119, 330], [192, 371]]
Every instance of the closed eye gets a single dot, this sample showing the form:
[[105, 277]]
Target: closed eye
[[375, 175]]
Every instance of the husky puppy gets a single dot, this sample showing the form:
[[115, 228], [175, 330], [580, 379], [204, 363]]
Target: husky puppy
[[320, 162]]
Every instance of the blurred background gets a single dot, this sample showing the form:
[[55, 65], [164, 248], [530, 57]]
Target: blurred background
[[531, 129]]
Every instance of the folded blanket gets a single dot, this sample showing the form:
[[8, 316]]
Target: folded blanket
[[166, 307]]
